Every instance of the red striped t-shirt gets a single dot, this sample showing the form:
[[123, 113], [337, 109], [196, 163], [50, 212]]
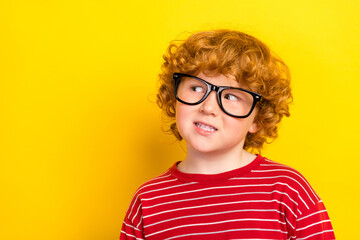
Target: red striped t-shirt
[[263, 200]]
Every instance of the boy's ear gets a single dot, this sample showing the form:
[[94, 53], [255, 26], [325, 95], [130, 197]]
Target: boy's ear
[[253, 128]]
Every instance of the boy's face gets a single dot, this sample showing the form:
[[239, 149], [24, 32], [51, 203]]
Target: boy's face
[[206, 128]]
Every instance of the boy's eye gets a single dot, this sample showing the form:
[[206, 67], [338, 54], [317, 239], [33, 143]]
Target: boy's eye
[[197, 89], [231, 97]]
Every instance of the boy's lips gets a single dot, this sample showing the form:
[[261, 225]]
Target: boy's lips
[[205, 127]]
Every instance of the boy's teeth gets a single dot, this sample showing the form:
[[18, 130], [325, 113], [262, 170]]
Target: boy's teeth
[[206, 127]]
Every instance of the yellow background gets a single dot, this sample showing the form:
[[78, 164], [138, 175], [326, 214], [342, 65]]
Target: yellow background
[[79, 130]]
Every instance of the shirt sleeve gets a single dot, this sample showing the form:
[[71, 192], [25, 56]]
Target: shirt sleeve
[[130, 232], [132, 227], [314, 224]]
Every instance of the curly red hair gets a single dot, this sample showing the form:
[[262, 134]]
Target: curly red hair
[[237, 54]]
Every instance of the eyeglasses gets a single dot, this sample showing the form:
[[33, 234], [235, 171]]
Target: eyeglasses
[[235, 102]]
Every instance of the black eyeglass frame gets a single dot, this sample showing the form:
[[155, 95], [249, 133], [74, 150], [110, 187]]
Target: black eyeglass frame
[[218, 89]]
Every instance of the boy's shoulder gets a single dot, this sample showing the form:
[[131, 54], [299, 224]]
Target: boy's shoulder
[[160, 182], [272, 169], [271, 166], [287, 176], [148, 190]]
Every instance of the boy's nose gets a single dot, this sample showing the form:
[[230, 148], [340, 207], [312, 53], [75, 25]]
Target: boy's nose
[[210, 105]]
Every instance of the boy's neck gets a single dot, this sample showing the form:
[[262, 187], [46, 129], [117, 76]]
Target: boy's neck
[[214, 163]]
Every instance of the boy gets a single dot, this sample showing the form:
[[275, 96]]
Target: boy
[[227, 93]]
